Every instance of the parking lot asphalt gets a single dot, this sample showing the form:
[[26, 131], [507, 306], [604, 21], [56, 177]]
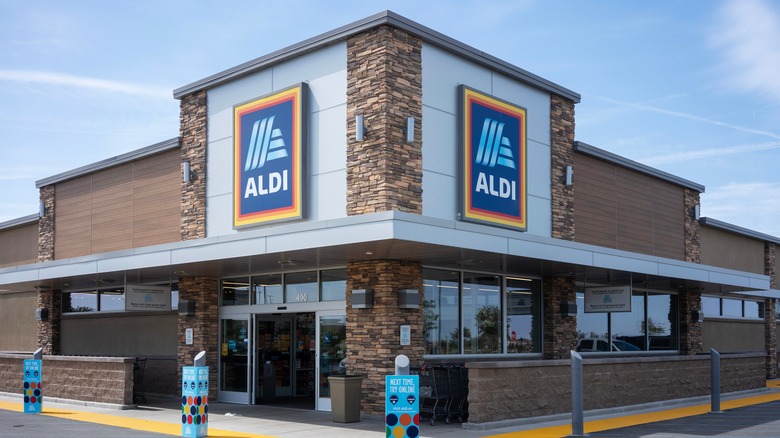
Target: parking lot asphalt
[[744, 414]]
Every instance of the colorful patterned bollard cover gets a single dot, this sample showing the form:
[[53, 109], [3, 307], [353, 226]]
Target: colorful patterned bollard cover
[[402, 406], [195, 402], [33, 392]]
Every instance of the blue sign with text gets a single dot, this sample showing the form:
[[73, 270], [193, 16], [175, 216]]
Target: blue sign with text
[[402, 406]]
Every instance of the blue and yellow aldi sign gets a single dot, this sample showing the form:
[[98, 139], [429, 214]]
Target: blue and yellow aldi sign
[[269, 139], [492, 136]]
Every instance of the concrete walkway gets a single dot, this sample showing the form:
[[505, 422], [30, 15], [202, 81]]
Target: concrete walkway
[[747, 414]]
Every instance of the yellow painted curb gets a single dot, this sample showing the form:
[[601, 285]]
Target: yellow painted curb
[[127, 422], [637, 419]]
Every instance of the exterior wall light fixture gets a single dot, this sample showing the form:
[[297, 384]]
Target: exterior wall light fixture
[[408, 130], [187, 173], [696, 212], [408, 299], [360, 130], [362, 298], [569, 178]]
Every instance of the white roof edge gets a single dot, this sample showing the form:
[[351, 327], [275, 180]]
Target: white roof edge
[[389, 18], [24, 220], [146, 151], [714, 223]]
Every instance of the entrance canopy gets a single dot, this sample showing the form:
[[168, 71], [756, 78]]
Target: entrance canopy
[[387, 235]]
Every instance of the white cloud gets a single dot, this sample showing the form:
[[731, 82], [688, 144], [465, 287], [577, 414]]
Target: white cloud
[[688, 116], [752, 205], [747, 33], [708, 153], [81, 82]]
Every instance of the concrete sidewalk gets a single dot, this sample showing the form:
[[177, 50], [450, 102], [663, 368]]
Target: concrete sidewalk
[[756, 413]]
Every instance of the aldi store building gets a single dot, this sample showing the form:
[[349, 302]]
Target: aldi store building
[[377, 190]]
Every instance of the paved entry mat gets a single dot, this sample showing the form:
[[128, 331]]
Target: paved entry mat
[[751, 421], [18, 424]]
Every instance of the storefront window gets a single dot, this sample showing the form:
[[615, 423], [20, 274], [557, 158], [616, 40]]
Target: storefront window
[[731, 308], [235, 292], [301, 287], [267, 289], [629, 327], [334, 285], [753, 309], [441, 311], [80, 302], [523, 315], [710, 306], [651, 325], [112, 300], [481, 313]]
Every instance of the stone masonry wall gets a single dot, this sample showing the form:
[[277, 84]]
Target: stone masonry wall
[[770, 306], [46, 225], [690, 331], [562, 149], [205, 326], [560, 332], [93, 379], [49, 331], [193, 124], [373, 334], [692, 233], [504, 391], [384, 85]]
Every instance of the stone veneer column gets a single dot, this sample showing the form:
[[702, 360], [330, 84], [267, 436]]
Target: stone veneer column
[[384, 85], [192, 132], [46, 225], [562, 150], [49, 330], [690, 331], [205, 326], [373, 334], [692, 235], [560, 332], [770, 311]]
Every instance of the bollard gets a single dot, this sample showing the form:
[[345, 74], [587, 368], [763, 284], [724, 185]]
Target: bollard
[[195, 399], [715, 381], [577, 415], [401, 365], [33, 390]]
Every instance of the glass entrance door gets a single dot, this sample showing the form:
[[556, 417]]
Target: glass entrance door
[[234, 367], [273, 358], [331, 332]]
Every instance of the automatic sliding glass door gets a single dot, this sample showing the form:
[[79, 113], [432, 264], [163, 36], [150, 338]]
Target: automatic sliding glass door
[[234, 360], [332, 333]]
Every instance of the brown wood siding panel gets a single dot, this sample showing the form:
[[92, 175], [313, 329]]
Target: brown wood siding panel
[[127, 206], [731, 251], [622, 209], [73, 217], [157, 199], [19, 245]]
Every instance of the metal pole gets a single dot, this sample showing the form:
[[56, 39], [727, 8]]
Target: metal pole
[[715, 380], [577, 415], [401, 365]]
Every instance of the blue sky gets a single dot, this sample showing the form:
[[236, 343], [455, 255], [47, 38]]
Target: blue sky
[[688, 87]]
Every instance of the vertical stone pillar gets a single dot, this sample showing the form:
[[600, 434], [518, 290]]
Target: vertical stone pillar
[[205, 325], [692, 234], [770, 311], [46, 225], [562, 150], [560, 332], [193, 125], [690, 331], [384, 85], [373, 335], [49, 330]]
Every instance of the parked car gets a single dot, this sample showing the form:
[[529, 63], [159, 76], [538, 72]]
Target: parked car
[[596, 344]]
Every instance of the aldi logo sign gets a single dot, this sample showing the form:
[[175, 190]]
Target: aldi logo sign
[[268, 135], [492, 136]]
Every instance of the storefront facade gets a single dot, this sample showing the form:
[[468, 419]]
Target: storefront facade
[[379, 190]]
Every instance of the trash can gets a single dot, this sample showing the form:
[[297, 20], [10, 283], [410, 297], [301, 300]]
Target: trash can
[[345, 393]]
